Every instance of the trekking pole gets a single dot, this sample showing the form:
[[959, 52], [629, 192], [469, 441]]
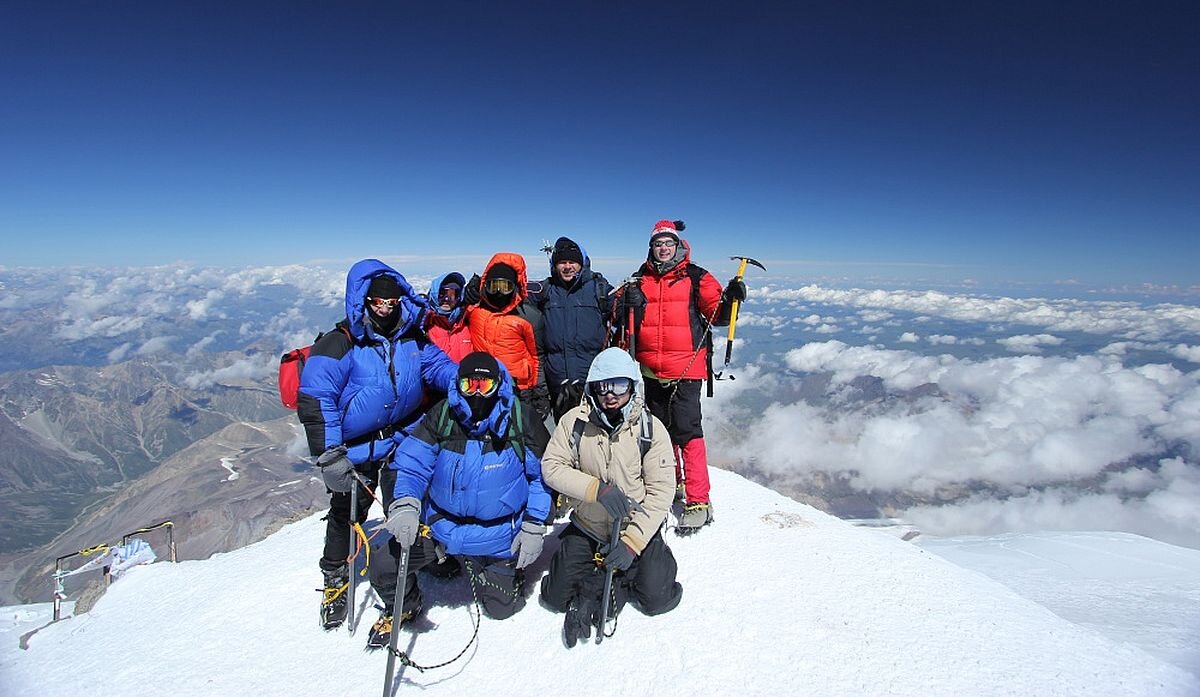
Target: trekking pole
[[733, 308], [608, 581], [352, 558], [397, 618], [630, 329]]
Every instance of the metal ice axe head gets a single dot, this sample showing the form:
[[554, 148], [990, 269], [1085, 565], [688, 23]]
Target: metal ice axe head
[[746, 260]]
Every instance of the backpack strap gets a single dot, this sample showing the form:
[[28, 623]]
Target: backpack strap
[[577, 436], [646, 437], [696, 273], [516, 429]]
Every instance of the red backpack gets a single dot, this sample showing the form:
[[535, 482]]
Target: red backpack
[[291, 365]]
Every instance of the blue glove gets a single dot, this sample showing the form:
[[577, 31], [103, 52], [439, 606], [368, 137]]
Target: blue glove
[[619, 558], [527, 546], [404, 520], [616, 502], [336, 469]]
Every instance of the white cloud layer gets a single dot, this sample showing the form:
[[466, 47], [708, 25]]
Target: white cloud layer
[[1011, 425], [1123, 319]]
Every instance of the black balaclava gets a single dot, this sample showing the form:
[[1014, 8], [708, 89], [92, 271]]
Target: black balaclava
[[480, 364], [498, 301], [384, 287]]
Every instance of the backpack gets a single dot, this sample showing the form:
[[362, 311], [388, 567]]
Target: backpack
[[443, 425], [291, 365], [644, 438]]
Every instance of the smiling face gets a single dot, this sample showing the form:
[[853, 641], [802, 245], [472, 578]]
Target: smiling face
[[567, 270], [664, 248]]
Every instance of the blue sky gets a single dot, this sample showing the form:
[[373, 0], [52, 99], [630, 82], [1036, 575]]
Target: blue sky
[[997, 141]]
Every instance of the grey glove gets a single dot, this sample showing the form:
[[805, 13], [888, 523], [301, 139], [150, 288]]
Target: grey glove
[[336, 469], [527, 546], [616, 502], [404, 520]]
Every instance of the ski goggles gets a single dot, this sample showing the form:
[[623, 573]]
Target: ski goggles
[[449, 295], [500, 286], [383, 303], [484, 386], [615, 386]]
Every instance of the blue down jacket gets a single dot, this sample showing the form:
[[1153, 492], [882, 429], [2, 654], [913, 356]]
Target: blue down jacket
[[475, 488], [576, 319], [367, 394]]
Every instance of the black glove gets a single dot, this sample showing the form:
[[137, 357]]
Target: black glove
[[616, 502], [471, 292], [634, 297], [582, 615], [735, 290], [619, 558]]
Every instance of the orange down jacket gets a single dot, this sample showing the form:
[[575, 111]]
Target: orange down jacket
[[502, 332]]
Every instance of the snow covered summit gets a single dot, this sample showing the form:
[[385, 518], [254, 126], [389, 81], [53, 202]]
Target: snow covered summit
[[779, 599]]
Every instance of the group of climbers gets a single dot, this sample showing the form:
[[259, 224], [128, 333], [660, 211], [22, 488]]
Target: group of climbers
[[441, 402]]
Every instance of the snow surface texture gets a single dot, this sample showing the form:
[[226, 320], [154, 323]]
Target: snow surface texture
[[779, 599], [1127, 587]]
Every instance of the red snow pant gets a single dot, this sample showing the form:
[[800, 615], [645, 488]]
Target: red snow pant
[[678, 406]]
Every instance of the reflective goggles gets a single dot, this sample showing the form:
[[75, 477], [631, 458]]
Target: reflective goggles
[[500, 286], [484, 386], [383, 303], [615, 386]]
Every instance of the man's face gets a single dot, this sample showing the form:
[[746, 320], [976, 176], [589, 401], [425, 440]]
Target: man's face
[[382, 307], [610, 401], [568, 270], [664, 248]]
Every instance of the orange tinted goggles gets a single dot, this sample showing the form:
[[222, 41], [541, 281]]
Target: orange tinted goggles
[[478, 385]]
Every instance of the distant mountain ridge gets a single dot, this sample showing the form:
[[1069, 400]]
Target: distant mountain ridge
[[76, 435]]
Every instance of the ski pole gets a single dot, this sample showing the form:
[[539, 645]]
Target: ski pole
[[608, 581], [397, 618], [352, 558]]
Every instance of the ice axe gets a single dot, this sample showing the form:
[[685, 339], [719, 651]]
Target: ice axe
[[733, 308]]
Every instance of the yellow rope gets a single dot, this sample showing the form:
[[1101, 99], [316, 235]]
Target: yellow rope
[[92, 550]]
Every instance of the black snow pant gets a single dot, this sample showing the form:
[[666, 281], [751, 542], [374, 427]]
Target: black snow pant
[[677, 406], [338, 520], [650, 582], [385, 565], [495, 582]]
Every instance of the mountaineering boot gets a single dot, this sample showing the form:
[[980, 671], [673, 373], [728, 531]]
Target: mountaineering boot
[[680, 494], [333, 600], [381, 632], [695, 516], [581, 617]]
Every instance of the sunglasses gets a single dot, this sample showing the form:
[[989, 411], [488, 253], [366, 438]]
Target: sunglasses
[[500, 285], [381, 303], [616, 387], [664, 243], [483, 386], [448, 296]]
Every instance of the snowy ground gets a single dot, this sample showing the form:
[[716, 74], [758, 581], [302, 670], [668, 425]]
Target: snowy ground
[[1127, 587], [779, 599]]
